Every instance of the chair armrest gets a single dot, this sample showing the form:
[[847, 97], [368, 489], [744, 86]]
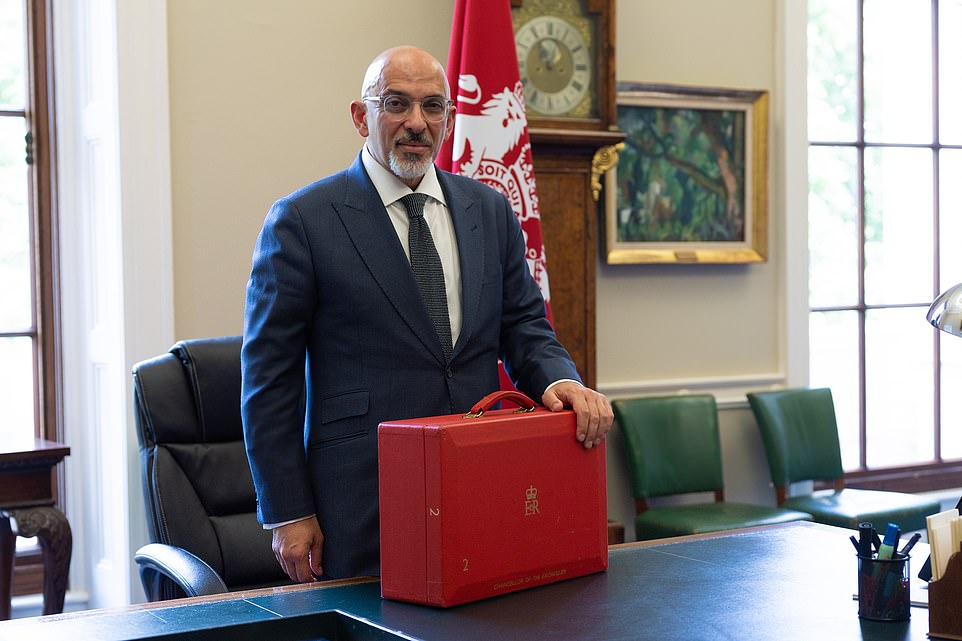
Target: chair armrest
[[187, 571]]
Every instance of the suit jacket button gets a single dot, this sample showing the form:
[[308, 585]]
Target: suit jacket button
[[448, 372]]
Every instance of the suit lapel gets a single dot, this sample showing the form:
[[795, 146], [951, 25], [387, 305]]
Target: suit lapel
[[466, 216], [376, 241]]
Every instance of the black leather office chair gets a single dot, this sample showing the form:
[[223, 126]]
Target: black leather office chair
[[198, 490]]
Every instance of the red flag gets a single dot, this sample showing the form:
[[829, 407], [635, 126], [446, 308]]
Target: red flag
[[490, 141]]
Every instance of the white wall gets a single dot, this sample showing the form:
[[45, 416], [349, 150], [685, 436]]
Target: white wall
[[723, 314]]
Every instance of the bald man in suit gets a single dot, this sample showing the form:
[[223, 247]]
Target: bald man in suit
[[335, 308]]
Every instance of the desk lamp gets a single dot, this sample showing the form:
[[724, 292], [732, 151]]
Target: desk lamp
[[945, 312]]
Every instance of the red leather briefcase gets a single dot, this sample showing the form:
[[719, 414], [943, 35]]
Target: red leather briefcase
[[487, 503]]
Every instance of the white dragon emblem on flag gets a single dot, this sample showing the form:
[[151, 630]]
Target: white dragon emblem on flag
[[490, 147]]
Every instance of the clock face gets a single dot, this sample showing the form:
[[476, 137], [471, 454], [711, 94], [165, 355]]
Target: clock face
[[555, 65]]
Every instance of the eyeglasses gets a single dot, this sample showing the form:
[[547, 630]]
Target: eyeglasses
[[433, 108]]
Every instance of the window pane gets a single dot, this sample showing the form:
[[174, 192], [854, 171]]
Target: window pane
[[12, 49], [950, 217], [15, 312], [16, 390], [833, 226], [951, 398], [899, 387], [831, 70], [898, 226], [950, 72], [833, 363], [898, 70]]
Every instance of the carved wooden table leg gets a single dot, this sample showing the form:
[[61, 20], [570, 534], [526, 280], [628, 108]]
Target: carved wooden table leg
[[52, 530], [8, 544]]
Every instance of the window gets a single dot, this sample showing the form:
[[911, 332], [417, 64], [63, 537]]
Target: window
[[885, 223], [29, 341], [28, 333]]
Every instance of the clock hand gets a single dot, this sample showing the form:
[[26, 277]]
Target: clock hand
[[550, 53]]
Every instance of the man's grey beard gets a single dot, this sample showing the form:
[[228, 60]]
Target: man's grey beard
[[408, 166]]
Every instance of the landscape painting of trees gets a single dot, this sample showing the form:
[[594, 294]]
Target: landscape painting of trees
[[688, 182]]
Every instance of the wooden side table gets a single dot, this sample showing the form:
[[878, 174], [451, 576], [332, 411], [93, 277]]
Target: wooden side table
[[26, 504]]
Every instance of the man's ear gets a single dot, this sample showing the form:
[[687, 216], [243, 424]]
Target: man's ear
[[449, 124], [359, 117]]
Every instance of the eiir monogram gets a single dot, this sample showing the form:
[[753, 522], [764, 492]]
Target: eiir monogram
[[531, 501]]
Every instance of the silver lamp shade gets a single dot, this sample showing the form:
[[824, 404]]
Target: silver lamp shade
[[946, 311]]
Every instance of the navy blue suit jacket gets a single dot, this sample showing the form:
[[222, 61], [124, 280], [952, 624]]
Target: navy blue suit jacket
[[332, 298]]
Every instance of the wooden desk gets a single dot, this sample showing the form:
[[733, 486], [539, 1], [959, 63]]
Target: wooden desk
[[26, 499], [784, 582]]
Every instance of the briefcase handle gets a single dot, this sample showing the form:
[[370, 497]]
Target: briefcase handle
[[479, 408]]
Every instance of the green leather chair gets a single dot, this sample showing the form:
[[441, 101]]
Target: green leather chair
[[673, 447], [801, 441]]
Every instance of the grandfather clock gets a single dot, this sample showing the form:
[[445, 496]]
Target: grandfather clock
[[566, 56]]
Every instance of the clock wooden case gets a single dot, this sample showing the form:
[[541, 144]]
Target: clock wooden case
[[566, 57]]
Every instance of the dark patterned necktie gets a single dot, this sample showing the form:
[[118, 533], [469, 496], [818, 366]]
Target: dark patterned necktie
[[428, 272]]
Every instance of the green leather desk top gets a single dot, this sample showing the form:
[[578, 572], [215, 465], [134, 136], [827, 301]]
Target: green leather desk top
[[793, 581]]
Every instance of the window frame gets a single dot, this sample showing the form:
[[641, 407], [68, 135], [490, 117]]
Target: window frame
[[937, 473], [40, 147]]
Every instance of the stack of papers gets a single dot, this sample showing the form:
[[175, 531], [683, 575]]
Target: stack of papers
[[945, 535]]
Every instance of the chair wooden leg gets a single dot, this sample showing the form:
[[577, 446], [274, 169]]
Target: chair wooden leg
[[780, 495], [52, 530], [641, 504], [8, 545]]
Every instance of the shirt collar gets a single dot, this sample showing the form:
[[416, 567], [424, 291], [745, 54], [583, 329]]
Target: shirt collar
[[390, 188]]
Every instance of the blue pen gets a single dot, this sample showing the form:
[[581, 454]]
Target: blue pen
[[887, 548]]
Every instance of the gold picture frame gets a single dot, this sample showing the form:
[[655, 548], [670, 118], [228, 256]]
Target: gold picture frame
[[691, 184]]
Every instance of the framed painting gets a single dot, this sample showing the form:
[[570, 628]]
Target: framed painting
[[691, 183]]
